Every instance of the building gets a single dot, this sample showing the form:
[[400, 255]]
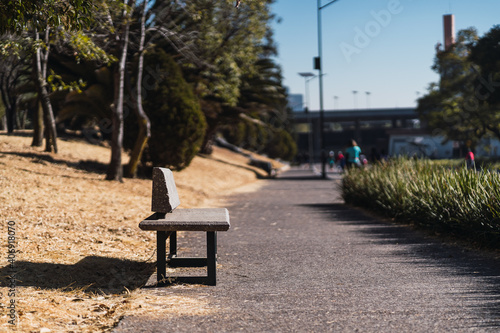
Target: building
[[296, 102], [371, 128], [386, 132], [449, 30]]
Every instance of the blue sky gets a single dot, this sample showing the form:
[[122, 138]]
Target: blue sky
[[393, 63]]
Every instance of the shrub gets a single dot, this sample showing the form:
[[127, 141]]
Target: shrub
[[454, 200], [282, 145], [265, 139], [177, 123]]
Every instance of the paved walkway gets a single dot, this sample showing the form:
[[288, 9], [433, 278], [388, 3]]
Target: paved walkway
[[297, 260]]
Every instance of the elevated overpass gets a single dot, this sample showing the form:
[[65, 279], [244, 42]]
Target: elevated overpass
[[371, 128]]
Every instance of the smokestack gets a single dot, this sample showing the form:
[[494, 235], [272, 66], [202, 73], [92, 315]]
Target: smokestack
[[449, 30]]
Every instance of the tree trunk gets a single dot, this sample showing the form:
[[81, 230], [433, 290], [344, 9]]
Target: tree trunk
[[208, 142], [3, 123], [115, 169], [19, 116], [37, 126], [144, 122], [139, 146], [48, 118], [9, 111], [41, 74], [10, 115]]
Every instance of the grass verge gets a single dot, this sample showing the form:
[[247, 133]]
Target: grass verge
[[454, 201], [79, 258]]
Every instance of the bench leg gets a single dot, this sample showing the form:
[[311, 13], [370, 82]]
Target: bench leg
[[211, 258], [161, 259], [173, 244], [161, 254]]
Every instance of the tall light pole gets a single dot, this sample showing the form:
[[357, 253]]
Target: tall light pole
[[308, 77], [367, 99], [320, 68], [354, 93]]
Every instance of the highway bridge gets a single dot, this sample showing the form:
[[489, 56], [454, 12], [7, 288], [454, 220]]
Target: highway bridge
[[371, 128]]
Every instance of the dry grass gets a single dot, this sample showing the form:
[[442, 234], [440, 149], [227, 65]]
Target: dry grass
[[81, 259]]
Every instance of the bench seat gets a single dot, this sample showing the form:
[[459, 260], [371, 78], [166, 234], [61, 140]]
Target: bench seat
[[188, 219]]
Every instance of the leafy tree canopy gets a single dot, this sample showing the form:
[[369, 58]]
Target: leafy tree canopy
[[16, 15], [463, 106]]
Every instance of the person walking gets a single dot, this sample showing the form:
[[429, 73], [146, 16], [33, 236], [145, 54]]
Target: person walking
[[352, 154], [469, 159], [331, 159], [340, 160]]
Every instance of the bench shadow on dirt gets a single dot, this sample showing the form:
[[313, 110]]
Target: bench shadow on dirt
[[91, 274], [428, 250]]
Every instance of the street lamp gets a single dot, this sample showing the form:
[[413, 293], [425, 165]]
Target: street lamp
[[354, 93], [320, 68], [367, 99], [308, 77]]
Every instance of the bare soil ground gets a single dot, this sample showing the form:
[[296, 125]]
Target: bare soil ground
[[80, 257]]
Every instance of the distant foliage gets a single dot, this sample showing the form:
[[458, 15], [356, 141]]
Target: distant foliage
[[282, 145], [262, 138], [177, 123], [464, 105], [465, 203]]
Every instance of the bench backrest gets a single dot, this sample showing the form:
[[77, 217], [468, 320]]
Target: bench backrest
[[165, 198]]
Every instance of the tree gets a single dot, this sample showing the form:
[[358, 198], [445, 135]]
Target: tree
[[178, 125], [115, 169], [160, 23], [282, 145], [486, 54], [13, 73], [127, 31], [465, 105], [453, 107], [229, 41], [15, 16], [41, 58], [261, 117], [42, 18], [143, 120]]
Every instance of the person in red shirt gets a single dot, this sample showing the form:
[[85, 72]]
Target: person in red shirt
[[340, 160], [469, 159]]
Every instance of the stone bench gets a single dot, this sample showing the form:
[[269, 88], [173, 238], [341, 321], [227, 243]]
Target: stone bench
[[167, 221]]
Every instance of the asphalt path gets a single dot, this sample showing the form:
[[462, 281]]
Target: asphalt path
[[296, 259]]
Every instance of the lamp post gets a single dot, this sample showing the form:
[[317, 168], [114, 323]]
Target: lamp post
[[308, 77], [354, 93], [320, 68], [367, 99]]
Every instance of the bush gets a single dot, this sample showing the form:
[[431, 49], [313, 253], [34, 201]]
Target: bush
[[274, 142], [453, 200], [177, 123], [282, 145]]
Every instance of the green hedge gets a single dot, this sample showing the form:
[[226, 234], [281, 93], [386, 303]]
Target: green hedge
[[177, 123], [461, 202]]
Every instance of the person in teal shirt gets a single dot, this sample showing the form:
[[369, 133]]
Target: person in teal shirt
[[352, 154]]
